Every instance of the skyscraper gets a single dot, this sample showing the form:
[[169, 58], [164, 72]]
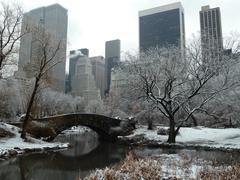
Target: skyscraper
[[162, 26], [74, 57], [211, 32], [83, 82], [98, 71], [112, 58], [54, 19]]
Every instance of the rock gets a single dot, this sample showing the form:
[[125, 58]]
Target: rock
[[39, 130], [5, 133], [116, 131], [12, 152], [162, 131], [125, 128]]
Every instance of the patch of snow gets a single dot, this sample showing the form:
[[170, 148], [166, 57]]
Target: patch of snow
[[16, 143], [77, 130], [148, 134], [218, 138], [200, 136]]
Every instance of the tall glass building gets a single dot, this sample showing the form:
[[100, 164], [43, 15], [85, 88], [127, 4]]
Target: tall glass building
[[112, 59], [162, 26], [54, 19], [211, 33]]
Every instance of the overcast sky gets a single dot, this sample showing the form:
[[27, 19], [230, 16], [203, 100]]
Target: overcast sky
[[92, 22]]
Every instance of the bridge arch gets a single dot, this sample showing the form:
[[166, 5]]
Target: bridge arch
[[101, 124]]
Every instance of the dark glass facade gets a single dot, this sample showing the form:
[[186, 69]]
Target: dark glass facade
[[160, 29], [112, 59]]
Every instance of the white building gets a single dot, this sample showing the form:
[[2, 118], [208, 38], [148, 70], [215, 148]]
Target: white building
[[83, 82], [118, 81]]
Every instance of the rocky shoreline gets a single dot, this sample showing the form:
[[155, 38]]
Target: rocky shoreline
[[13, 145], [17, 151]]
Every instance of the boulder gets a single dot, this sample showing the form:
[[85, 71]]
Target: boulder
[[4, 133], [40, 130], [162, 131], [125, 128]]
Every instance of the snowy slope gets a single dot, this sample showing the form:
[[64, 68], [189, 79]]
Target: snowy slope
[[16, 143], [199, 136]]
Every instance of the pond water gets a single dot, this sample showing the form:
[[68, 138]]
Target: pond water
[[86, 155]]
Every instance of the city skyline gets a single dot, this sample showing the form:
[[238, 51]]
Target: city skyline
[[87, 23]]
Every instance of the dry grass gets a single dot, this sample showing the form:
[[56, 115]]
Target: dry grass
[[149, 168], [230, 173], [133, 167]]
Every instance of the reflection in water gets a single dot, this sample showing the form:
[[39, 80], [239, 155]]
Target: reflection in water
[[85, 156], [64, 165], [82, 144]]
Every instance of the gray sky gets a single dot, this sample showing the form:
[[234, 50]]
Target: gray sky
[[92, 22]]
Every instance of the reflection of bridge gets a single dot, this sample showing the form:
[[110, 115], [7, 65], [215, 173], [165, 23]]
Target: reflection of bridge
[[106, 127], [58, 166]]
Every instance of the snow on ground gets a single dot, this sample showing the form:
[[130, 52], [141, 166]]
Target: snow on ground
[[198, 136], [218, 138], [76, 130], [17, 144]]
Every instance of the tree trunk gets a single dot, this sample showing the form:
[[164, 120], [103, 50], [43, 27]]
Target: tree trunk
[[27, 117], [172, 133], [1, 62], [195, 123]]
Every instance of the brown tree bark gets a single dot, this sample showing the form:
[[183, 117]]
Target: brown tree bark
[[30, 104]]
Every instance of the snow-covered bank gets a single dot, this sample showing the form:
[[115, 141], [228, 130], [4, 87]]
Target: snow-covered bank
[[198, 137], [14, 145], [166, 166]]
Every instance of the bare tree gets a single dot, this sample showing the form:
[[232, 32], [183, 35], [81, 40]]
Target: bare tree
[[176, 83], [10, 103], [112, 103], [51, 102], [95, 106], [10, 32], [45, 51]]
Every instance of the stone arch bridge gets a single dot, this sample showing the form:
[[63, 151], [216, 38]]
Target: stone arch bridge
[[106, 127]]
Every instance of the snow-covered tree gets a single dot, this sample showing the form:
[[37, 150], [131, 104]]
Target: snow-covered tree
[[11, 15], [172, 81], [80, 104], [10, 99], [50, 102], [116, 105], [95, 106]]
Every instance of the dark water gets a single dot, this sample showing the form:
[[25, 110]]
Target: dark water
[[86, 155]]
